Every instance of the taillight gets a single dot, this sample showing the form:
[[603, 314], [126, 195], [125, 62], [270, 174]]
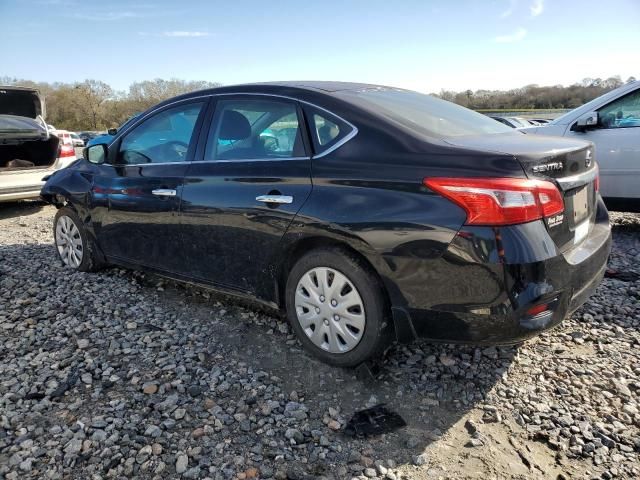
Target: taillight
[[500, 201], [533, 311], [596, 182], [67, 151]]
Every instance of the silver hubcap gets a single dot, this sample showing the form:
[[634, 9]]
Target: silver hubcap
[[69, 242], [330, 310]]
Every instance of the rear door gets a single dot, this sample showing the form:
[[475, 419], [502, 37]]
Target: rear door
[[238, 200], [143, 184]]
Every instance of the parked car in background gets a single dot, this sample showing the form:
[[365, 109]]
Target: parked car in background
[[377, 213], [77, 141], [28, 150], [87, 136], [612, 123], [539, 121], [513, 122], [106, 138], [64, 136]]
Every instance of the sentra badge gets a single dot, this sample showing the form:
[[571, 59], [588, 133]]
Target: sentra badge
[[548, 167]]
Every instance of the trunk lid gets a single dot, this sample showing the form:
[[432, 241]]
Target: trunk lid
[[569, 163], [14, 129], [22, 102], [21, 115]]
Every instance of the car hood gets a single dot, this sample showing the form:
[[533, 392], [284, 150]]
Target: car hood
[[534, 129], [102, 139]]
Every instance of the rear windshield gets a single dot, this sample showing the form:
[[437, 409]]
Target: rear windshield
[[425, 114], [23, 103]]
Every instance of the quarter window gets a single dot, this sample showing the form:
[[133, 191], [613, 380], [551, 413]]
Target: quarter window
[[254, 129], [163, 138], [326, 130], [621, 113]]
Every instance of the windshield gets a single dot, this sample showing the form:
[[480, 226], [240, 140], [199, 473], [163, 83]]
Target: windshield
[[425, 114]]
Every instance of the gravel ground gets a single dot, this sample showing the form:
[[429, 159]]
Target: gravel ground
[[124, 375]]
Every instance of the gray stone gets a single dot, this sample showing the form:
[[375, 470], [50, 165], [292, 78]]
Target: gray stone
[[182, 461]]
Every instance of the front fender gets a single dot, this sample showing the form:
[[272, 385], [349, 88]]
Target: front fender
[[71, 187]]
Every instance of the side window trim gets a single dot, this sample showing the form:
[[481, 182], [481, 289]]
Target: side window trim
[[207, 125], [114, 147]]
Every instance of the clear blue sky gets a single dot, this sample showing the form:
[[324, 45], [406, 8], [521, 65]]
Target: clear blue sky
[[419, 44]]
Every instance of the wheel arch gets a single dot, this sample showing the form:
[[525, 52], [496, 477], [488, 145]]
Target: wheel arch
[[295, 249]]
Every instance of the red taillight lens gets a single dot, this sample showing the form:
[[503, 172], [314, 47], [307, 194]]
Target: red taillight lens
[[500, 201], [596, 182], [67, 151], [533, 311]]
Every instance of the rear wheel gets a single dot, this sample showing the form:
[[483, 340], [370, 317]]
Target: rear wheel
[[75, 249], [336, 306]]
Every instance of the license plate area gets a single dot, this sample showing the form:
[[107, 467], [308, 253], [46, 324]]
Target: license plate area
[[580, 205]]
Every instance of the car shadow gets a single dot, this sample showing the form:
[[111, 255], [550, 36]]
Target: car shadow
[[20, 208], [431, 386]]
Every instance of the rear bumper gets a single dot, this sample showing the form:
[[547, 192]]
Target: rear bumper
[[26, 184], [24, 193], [481, 289]]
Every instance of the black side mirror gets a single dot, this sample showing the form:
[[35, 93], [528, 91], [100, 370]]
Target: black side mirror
[[112, 131], [585, 122], [96, 153]]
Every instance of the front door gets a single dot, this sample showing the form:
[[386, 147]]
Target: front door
[[239, 199], [143, 185], [617, 147]]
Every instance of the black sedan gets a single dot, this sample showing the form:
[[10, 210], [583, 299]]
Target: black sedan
[[368, 214]]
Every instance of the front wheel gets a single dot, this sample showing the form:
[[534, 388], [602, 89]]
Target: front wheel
[[336, 306], [75, 249]]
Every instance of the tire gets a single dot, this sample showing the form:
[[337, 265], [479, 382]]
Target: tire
[[69, 231], [340, 342]]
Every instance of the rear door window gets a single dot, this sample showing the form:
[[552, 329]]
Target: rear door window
[[252, 129]]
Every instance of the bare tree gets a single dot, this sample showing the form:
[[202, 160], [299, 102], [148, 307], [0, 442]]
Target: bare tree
[[92, 94]]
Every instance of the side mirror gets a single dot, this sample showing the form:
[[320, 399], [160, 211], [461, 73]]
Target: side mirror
[[96, 153], [112, 131], [586, 121]]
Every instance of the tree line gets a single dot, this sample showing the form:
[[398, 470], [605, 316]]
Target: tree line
[[95, 105], [535, 96]]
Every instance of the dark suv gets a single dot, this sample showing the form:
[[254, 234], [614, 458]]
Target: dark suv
[[366, 213]]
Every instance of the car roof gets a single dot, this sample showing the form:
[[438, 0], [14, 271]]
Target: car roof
[[329, 88], [324, 86]]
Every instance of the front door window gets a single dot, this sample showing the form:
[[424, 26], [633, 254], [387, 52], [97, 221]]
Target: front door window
[[163, 138]]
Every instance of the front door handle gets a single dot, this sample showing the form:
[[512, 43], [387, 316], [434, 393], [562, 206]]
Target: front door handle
[[275, 198], [164, 192]]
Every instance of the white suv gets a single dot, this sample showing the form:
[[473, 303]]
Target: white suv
[[29, 151], [612, 123]]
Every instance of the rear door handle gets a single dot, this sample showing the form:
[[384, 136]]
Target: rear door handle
[[164, 192], [275, 198]]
